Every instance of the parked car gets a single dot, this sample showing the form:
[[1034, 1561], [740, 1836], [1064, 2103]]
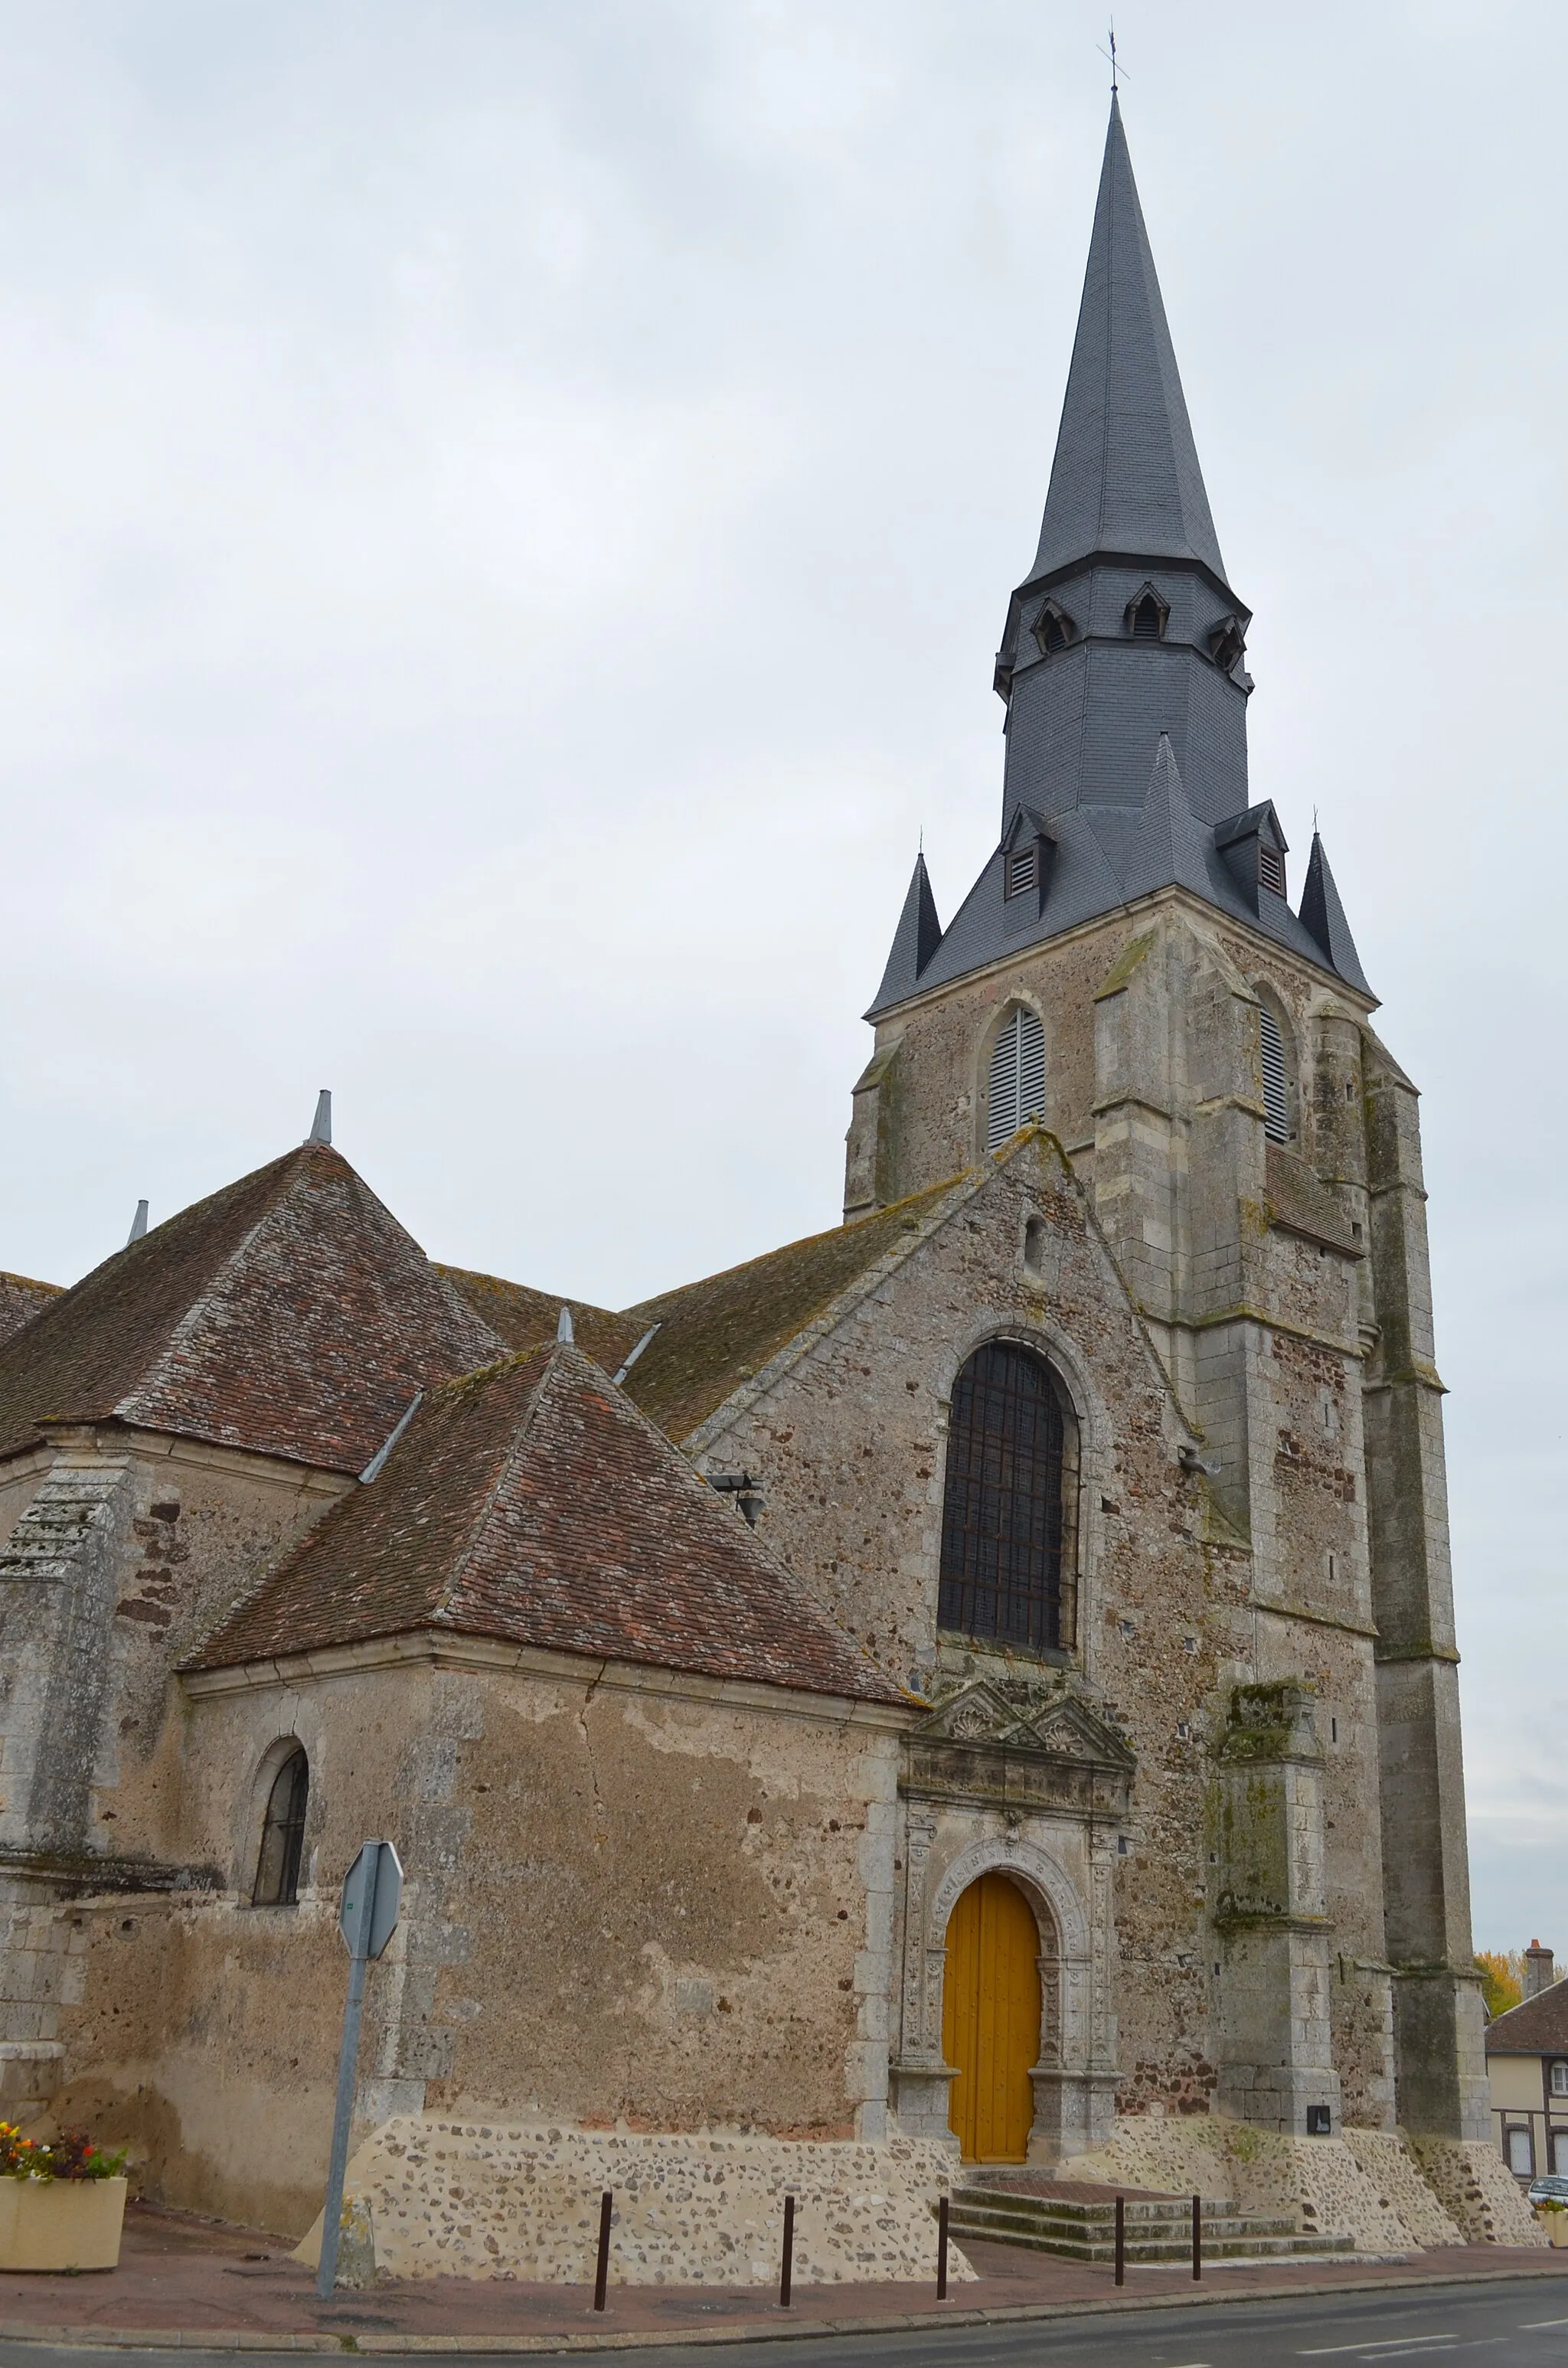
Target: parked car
[[1549, 2191]]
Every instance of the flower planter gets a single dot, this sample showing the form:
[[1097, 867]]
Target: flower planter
[[1556, 2226], [61, 2224]]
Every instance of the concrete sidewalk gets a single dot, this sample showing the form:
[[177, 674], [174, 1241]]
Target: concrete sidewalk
[[183, 2282]]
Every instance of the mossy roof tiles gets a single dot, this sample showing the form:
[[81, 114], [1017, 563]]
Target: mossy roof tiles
[[526, 1318], [714, 1335], [531, 1503], [288, 1315]]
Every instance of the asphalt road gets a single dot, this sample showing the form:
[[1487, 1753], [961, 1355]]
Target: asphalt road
[[1521, 2325]]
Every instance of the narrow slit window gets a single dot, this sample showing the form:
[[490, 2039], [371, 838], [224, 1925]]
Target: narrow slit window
[[1270, 868], [1276, 1092], [1015, 1089], [283, 1834]]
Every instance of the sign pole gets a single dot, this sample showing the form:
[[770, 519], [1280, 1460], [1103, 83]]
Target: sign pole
[[372, 1901], [342, 2114]]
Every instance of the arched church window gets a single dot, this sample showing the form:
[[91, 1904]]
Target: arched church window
[[1148, 619], [1276, 1078], [1014, 1090], [283, 1834], [1001, 1510]]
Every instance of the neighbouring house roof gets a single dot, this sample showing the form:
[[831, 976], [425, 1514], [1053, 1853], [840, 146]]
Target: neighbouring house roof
[[716, 1334], [21, 1299], [1538, 2027], [290, 1315], [531, 1503]]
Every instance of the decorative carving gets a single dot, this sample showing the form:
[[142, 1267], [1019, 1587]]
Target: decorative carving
[[1023, 1746]]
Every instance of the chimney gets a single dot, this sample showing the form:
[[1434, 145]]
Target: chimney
[[1540, 1970]]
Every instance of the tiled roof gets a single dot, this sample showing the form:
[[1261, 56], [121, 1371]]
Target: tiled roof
[[531, 1503], [1540, 2027], [20, 1300], [290, 1315], [527, 1318], [716, 1334], [1300, 1203]]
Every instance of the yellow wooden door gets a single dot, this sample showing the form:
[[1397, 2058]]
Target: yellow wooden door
[[991, 2019]]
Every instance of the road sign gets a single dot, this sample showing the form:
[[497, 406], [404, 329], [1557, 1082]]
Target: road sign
[[373, 1900]]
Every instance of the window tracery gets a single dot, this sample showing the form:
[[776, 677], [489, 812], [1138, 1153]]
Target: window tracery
[[1003, 1511]]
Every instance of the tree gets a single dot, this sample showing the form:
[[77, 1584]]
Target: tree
[[1502, 1980]]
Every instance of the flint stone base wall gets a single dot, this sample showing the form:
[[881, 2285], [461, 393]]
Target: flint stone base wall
[[499, 2200], [1389, 2193], [1478, 2191]]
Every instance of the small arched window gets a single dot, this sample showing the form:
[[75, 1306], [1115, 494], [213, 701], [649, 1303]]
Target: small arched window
[[1148, 619], [283, 1834], [1015, 1086], [1276, 1078], [1001, 1510]]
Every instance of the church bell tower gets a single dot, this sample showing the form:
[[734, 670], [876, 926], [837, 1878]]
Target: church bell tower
[[1131, 972]]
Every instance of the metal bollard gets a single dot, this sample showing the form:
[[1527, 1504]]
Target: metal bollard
[[942, 2251], [601, 2274], [1121, 2241], [788, 2262], [1198, 2235]]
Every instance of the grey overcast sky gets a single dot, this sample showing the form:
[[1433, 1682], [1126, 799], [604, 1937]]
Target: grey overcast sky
[[507, 509]]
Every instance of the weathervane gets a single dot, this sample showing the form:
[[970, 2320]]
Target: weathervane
[[1117, 68]]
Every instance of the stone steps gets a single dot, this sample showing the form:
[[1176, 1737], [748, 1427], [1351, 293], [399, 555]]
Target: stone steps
[[1158, 2229]]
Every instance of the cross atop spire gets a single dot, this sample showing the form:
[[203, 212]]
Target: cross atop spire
[[1126, 477]]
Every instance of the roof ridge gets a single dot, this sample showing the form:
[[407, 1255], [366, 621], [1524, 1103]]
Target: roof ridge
[[801, 1241], [156, 1371], [833, 1311], [441, 1607]]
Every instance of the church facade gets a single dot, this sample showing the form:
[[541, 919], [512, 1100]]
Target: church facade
[[985, 1672]]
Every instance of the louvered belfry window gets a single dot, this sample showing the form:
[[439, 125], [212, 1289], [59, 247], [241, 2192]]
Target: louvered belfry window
[[283, 1834], [1015, 1088], [1276, 1091], [1270, 868], [1002, 1511]]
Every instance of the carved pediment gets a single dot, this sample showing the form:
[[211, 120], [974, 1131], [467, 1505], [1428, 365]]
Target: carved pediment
[[976, 1713], [1012, 1715], [1070, 1730], [1023, 1744]]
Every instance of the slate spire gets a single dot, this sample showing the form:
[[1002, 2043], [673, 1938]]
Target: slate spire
[[1322, 918], [914, 940], [1126, 476]]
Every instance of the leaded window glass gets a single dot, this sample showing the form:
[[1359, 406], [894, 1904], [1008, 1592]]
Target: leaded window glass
[[1002, 1519]]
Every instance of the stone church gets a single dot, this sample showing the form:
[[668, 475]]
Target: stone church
[[984, 1674]]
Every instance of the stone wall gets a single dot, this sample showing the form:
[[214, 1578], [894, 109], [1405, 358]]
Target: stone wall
[[1286, 1290], [629, 1898], [486, 2199]]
